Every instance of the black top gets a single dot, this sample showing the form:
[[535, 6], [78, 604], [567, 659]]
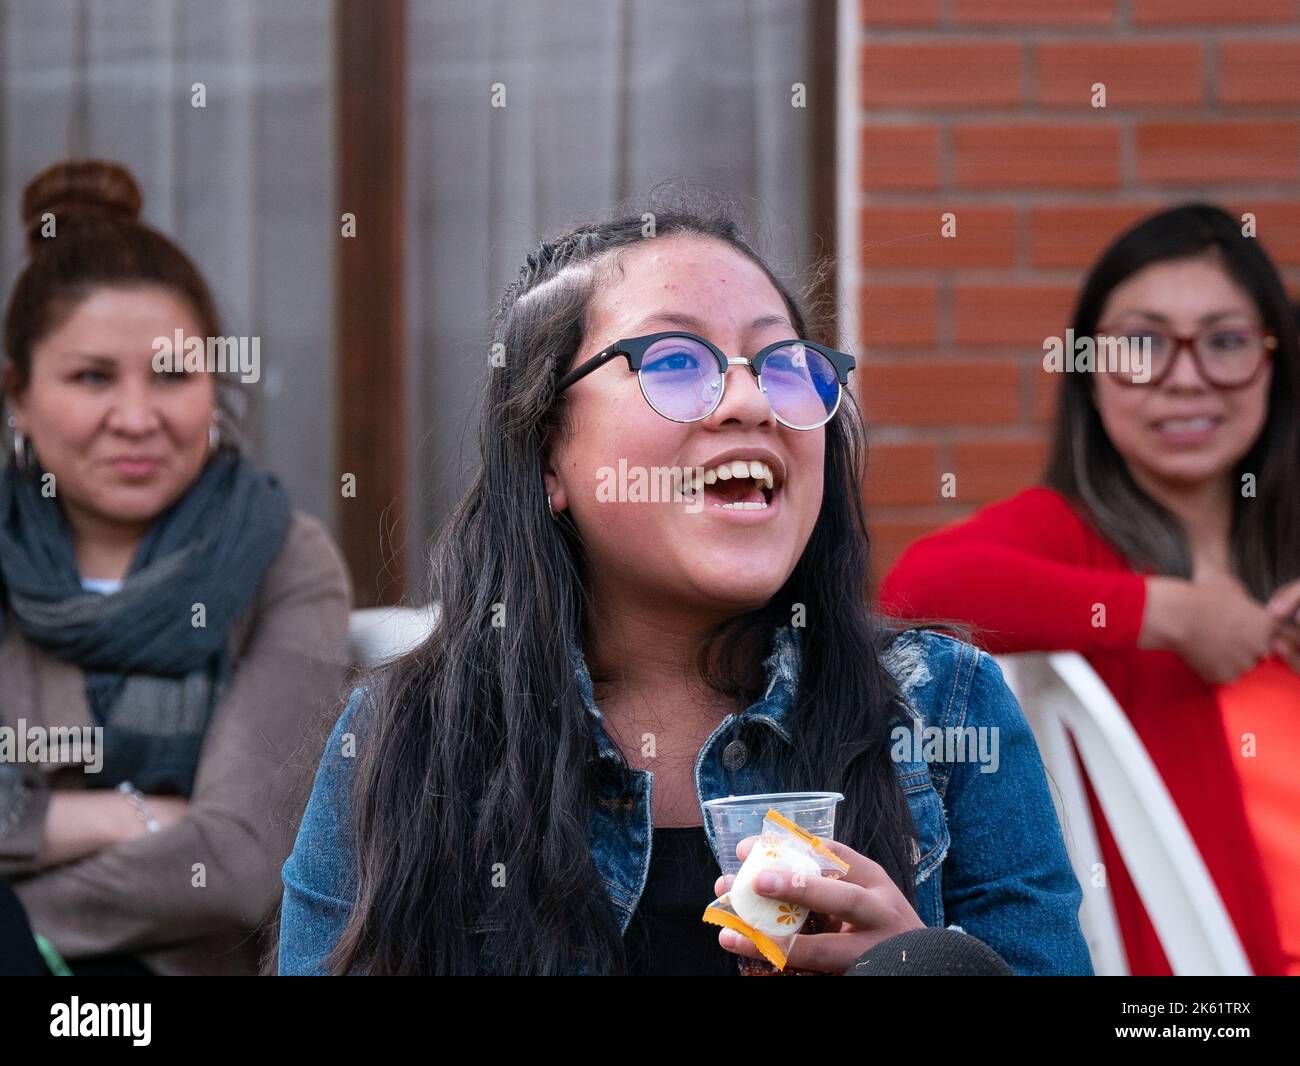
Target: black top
[[667, 936]]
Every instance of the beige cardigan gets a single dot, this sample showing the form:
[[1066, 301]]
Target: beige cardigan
[[262, 745]]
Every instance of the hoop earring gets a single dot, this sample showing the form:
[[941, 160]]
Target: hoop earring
[[20, 459], [214, 433], [554, 514]]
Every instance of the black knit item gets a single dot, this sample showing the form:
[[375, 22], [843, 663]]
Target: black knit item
[[930, 953]]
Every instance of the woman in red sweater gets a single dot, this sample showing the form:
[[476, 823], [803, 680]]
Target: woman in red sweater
[[1164, 546]]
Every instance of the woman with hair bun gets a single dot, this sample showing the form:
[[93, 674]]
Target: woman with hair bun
[[160, 599]]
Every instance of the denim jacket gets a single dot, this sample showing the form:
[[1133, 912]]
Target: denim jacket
[[990, 859]]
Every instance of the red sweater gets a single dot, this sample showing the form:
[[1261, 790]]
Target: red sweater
[[1030, 575]]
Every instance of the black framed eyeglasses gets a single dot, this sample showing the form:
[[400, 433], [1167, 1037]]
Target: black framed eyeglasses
[[683, 376], [1229, 357]]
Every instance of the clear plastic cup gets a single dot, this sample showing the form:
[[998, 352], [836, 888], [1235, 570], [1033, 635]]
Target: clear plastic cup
[[736, 817]]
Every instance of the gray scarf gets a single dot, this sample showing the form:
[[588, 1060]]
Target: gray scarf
[[153, 674]]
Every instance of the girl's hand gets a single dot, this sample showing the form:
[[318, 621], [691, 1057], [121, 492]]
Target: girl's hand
[[1213, 624], [864, 907], [1285, 608]]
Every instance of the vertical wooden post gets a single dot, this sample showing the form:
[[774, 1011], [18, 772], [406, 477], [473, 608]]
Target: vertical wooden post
[[823, 158], [370, 48]]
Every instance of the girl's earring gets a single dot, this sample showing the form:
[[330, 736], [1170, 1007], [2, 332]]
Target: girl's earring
[[19, 446], [551, 508], [214, 433]]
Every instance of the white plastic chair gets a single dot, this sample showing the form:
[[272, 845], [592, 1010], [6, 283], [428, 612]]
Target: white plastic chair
[[1060, 694], [376, 634]]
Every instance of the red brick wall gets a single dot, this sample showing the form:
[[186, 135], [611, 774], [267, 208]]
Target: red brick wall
[[984, 108]]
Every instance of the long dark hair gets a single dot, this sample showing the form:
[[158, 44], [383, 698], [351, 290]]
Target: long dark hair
[[477, 750], [1085, 466]]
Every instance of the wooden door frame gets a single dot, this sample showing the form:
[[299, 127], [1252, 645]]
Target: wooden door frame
[[370, 52]]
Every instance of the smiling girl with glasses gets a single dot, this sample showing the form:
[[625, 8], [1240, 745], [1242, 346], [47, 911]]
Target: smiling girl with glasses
[[527, 787]]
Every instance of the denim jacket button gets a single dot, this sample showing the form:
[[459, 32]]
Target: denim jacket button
[[734, 755]]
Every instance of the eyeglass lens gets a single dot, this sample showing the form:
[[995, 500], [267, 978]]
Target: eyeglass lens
[[1227, 355], [681, 379]]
